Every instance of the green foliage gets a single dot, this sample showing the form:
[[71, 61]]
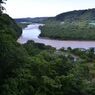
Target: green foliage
[[73, 25], [80, 15], [9, 25], [36, 69], [68, 31], [23, 25]]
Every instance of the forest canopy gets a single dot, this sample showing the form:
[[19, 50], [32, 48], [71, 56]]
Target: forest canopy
[[36, 69]]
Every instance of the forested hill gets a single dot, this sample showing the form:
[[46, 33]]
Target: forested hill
[[36, 69], [77, 15], [9, 27]]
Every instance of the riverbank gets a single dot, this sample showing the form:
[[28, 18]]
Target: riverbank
[[69, 31], [32, 32], [65, 40]]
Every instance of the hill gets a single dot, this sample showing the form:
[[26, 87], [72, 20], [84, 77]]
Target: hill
[[73, 25], [76, 15], [36, 69], [31, 20], [88, 15], [68, 31], [9, 25]]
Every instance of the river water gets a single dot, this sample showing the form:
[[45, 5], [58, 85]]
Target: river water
[[31, 32]]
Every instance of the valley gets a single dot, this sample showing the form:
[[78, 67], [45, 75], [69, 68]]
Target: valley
[[32, 32], [56, 57]]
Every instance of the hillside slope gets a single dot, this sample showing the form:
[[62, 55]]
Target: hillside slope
[[36, 69], [77, 15], [73, 25], [9, 25]]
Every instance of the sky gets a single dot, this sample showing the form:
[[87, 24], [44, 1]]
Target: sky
[[44, 8]]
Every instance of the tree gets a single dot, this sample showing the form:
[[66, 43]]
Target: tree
[[1, 7]]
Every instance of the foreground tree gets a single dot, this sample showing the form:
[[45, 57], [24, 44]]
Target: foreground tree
[[1, 7]]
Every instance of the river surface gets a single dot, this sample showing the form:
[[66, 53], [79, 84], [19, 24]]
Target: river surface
[[31, 32]]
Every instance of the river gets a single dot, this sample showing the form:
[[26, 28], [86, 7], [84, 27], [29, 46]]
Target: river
[[31, 32]]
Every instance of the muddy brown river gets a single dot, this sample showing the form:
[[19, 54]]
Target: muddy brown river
[[31, 32]]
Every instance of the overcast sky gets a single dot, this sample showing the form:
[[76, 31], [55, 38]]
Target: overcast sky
[[41, 8]]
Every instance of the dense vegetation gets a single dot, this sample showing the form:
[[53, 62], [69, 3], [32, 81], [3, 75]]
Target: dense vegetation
[[79, 30], [23, 25], [77, 15], [73, 25], [35, 69]]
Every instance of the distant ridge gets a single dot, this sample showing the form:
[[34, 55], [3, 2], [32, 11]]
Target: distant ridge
[[33, 20], [87, 14], [76, 15]]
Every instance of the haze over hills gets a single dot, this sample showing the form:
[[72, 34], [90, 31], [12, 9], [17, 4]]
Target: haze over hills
[[76, 15], [34, 20]]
